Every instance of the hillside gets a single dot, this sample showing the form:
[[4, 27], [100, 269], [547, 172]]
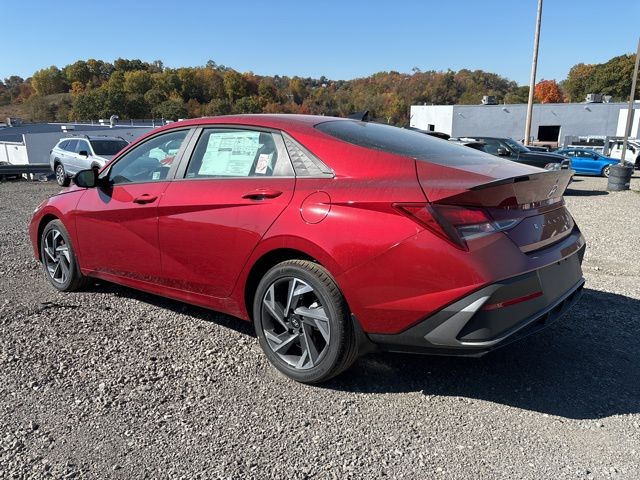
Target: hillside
[[94, 89]]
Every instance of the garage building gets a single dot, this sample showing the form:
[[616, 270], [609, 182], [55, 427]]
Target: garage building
[[551, 122]]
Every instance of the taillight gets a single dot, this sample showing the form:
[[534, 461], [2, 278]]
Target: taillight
[[456, 224]]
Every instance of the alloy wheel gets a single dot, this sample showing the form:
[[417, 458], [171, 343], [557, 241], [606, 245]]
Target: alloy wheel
[[57, 258], [295, 323], [60, 175]]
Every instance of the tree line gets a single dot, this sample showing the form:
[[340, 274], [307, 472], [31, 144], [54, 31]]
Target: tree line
[[132, 88]]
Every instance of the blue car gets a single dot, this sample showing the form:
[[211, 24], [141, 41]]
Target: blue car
[[588, 162]]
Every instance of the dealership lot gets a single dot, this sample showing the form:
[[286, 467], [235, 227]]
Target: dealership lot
[[113, 382]]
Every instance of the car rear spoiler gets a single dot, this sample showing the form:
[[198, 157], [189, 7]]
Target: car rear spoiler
[[508, 192]]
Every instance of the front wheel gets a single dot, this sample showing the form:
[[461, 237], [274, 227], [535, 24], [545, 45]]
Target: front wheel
[[302, 322], [59, 259], [606, 171]]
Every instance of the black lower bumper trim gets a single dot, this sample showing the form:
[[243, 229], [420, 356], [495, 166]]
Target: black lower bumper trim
[[465, 328]]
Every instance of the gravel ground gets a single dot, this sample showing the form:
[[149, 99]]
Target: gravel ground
[[113, 383]]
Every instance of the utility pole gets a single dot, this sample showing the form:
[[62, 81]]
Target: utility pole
[[627, 130], [620, 174], [532, 80]]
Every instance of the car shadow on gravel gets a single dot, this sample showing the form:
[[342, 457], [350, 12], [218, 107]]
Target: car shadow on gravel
[[585, 366], [176, 306]]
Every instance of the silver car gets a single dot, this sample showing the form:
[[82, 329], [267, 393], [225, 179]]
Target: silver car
[[72, 154]]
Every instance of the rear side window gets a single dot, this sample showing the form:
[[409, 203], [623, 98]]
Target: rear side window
[[239, 153], [71, 146], [402, 141], [63, 145]]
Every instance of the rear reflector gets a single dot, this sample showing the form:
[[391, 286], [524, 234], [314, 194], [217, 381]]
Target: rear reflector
[[513, 301], [455, 224]]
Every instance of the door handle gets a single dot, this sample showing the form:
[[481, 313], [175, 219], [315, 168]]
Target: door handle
[[262, 193], [145, 198]]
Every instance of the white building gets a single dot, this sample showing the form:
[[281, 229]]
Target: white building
[[551, 122]]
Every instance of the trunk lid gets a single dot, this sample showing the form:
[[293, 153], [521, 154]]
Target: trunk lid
[[526, 197]]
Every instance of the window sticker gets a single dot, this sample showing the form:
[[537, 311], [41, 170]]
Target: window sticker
[[230, 154], [263, 163]]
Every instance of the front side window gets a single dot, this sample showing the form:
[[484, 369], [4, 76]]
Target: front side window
[[491, 146], [239, 153], [82, 146], [585, 154], [148, 162], [515, 146]]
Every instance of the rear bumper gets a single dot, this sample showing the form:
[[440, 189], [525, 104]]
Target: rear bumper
[[495, 315]]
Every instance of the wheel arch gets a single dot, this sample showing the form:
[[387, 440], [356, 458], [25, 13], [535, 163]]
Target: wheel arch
[[44, 221], [262, 265]]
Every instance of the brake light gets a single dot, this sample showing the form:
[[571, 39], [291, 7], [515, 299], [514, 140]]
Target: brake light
[[456, 224]]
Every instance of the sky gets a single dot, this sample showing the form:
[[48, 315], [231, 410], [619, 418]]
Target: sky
[[338, 39]]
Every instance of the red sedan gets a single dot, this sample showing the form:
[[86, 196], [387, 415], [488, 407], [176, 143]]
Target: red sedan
[[334, 236]]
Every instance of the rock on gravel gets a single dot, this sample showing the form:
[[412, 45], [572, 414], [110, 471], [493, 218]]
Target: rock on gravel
[[113, 383]]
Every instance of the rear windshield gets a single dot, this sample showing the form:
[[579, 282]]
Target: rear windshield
[[107, 147], [408, 143]]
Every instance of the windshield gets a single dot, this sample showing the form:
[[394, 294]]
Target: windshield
[[107, 147], [518, 147]]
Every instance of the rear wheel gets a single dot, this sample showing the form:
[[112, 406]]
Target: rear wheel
[[58, 258], [302, 322], [61, 176]]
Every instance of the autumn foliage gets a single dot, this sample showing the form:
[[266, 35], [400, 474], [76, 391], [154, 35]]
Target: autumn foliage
[[94, 89], [548, 91]]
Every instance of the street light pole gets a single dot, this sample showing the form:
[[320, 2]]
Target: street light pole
[[627, 130], [532, 80]]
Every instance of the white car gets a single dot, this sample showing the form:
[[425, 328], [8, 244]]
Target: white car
[[72, 154], [632, 154]]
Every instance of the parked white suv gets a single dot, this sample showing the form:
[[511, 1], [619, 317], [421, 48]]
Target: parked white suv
[[72, 154], [632, 154]]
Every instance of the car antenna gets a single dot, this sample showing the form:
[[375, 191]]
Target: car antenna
[[362, 116]]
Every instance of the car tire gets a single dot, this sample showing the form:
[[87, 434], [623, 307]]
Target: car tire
[[606, 170], [59, 260], [61, 175], [303, 323]]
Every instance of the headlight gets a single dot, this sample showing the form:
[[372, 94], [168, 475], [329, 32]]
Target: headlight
[[552, 166]]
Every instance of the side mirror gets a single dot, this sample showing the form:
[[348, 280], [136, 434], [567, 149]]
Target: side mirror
[[503, 152], [86, 178], [83, 153]]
